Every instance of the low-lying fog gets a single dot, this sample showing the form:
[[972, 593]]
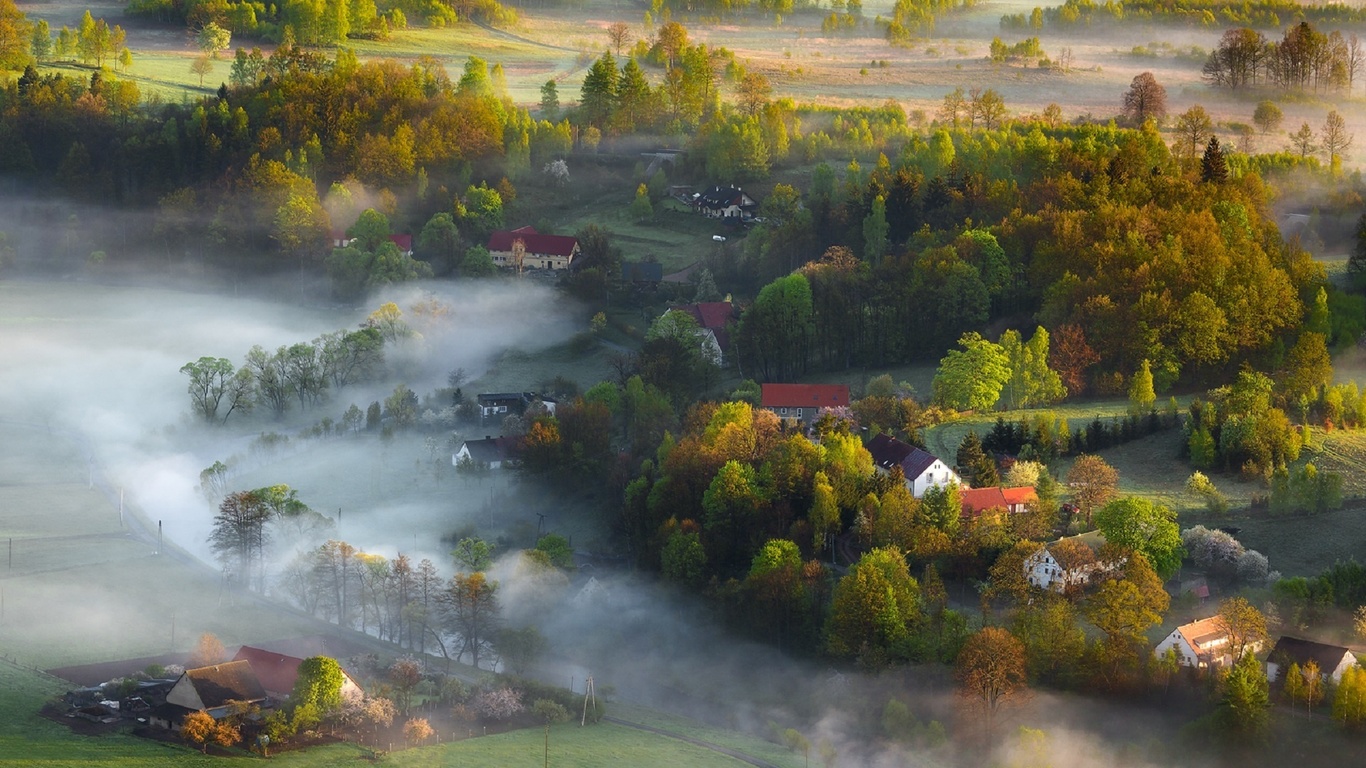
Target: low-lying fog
[[103, 362]]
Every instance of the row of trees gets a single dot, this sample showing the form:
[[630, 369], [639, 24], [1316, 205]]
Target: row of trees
[[1303, 59]]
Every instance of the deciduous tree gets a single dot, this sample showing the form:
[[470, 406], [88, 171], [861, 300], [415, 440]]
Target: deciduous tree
[[991, 673], [1093, 483], [1146, 98], [1137, 523], [971, 378]]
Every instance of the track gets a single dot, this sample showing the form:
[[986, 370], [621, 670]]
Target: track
[[728, 752], [511, 36]]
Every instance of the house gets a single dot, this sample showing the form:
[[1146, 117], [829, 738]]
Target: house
[[525, 248], [1020, 498], [713, 317], [493, 451], [278, 672], [1066, 565], [495, 405], [921, 468], [801, 401], [1200, 644], [1333, 660], [404, 243], [212, 688], [1012, 501], [725, 203]]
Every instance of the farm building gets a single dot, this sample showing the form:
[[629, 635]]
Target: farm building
[[921, 468], [1200, 644], [1332, 660], [1066, 565], [802, 402], [278, 672], [492, 451], [211, 689], [525, 248]]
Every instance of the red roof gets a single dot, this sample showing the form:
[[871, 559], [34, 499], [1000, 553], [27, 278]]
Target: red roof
[[978, 500], [712, 315], [804, 395], [552, 245], [1022, 495], [276, 672], [404, 242]]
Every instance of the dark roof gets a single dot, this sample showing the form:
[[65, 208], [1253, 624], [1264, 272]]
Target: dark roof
[[491, 449], [95, 674], [1295, 650], [503, 398], [642, 271], [714, 316], [723, 197], [221, 683], [889, 452], [804, 395], [554, 245]]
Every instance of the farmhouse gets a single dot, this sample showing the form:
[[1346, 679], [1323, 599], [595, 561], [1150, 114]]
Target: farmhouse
[[1332, 660], [921, 468], [495, 405], [1065, 566], [1200, 644], [725, 203], [525, 248], [212, 688], [492, 451], [278, 672], [712, 317], [801, 402]]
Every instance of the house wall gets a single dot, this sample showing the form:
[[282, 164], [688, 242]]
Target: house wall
[[937, 474], [1184, 651], [184, 694], [804, 414]]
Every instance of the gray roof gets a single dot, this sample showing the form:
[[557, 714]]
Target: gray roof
[[490, 450], [889, 452]]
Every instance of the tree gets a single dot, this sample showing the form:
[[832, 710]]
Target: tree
[[619, 33], [1193, 128], [1093, 483], [1137, 523], [1053, 641], [207, 652], [1213, 167], [1245, 709], [41, 45], [417, 730], [597, 97], [972, 378], [873, 606], [238, 538], [550, 100], [202, 65], [215, 385], [753, 93], [1312, 687], [1032, 382], [641, 209], [212, 38], [991, 673], [1303, 141], [471, 610], [319, 684], [1243, 623], [198, 728], [472, 555], [1145, 99], [1267, 116], [1336, 139], [988, 107], [405, 675]]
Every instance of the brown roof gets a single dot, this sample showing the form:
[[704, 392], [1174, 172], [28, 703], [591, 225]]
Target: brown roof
[[535, 242], [804, 395], [1199, 633], [1023, 494], [221, 683]]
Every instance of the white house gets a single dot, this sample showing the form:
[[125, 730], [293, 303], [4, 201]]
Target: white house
[[1333, 660], [1065, 566], [1200, 644], [921, 468], [725, 203], [493, 451]]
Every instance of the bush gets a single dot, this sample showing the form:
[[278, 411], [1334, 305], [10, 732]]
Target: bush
[[498, 703], [549, 711]]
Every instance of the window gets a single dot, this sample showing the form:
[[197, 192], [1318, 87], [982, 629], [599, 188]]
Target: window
[[782, 411], [799, 413]]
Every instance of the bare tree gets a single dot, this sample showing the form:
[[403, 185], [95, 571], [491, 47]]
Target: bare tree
[[619, 33], [1146, 98]]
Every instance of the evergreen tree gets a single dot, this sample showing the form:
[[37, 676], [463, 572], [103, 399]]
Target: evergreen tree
[[875, 232], [598, 96], [1213, 167], [1320, 319], [1245, 711], [550, 100], [969, 457]]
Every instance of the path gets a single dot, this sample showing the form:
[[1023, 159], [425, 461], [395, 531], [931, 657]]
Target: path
[[511, 36], [741, 756]]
